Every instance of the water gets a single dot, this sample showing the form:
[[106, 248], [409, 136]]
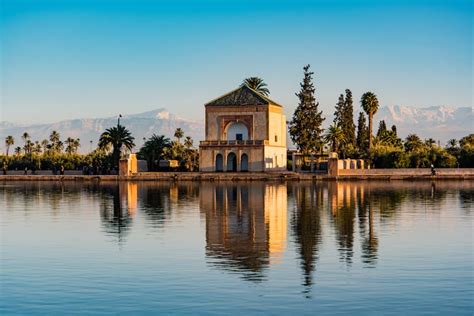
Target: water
[[249, 248]]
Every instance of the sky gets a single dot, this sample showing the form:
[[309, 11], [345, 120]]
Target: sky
[[83, 59]]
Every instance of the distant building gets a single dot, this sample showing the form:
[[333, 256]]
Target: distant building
[[245, 131]]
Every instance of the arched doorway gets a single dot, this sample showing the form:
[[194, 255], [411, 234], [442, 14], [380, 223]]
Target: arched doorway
[[219, 163], [232, 162], [244, 163]]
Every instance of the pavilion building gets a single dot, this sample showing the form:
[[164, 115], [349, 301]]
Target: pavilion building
[[245, 131]]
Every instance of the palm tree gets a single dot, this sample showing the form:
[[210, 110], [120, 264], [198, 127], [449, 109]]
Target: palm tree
[[335, 136], [44, 144], [256, 84], [37, 147], [77, 144], [54, 137], [28, 147], [430, 142], [25, 137], [188, 142], [9, 141], [69, 145], [452, 143], [58, 147], [154, 148], [413, 142], [179, 134], [118, 137], [18, 151], [370, 104], [55, 142]]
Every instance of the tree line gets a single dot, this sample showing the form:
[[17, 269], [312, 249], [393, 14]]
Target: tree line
[[385, 149], [114, 143]]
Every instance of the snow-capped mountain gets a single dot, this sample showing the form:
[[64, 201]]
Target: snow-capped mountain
[[160, 122], [438, 122]]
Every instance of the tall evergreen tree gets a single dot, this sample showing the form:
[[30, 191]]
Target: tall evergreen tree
[[394, 130], [362, 133], [344, 119], [382, 128], [348, 125], [306, 126], [339, 113]]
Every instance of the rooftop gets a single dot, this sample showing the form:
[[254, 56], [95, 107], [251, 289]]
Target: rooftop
[[241, 96]]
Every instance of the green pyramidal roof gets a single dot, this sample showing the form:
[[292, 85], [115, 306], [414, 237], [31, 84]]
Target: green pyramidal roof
[[240, 97]]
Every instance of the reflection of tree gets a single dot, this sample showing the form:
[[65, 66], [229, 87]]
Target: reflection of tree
[[115, 218], [343, 210], [236, 234], [466, 199], [366, 218], [306, 226], [155, 204]]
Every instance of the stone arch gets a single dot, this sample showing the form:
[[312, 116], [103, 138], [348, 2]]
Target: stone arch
[[231, 162], [244, 162], [219, 163], [237, 130]]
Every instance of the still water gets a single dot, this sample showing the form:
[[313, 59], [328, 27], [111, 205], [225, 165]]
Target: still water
[[208, 248]]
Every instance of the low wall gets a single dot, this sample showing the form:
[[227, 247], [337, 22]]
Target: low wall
[[42, 172], [349, 175], [407, 172]]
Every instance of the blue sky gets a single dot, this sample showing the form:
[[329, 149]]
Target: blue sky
[[75, 59]]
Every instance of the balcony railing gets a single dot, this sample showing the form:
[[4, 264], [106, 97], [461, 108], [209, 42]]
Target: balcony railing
[[233, 142]]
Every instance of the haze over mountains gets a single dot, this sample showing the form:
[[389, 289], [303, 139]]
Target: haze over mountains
[[159, 121], [439, 122]]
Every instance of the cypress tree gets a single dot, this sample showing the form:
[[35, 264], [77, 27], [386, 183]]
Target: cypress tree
[[348, 125], [382, 128], [362, 133], [306, 126], [394, 130], [339, 113]]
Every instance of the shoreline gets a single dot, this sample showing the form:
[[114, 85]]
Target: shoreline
[[254, 176]]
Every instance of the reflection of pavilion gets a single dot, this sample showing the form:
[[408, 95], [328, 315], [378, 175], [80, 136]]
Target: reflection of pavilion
[[245, 225]]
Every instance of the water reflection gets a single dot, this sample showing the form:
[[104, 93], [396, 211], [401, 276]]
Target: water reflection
[[306, 225], [252, 227], [245, 226], [117, 207]]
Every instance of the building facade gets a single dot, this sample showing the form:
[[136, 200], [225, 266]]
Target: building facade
[[245, 131]]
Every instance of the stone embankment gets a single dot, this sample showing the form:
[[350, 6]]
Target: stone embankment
[[349, 174]]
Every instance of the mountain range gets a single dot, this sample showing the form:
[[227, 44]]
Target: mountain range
[[439, 122], [160, 122]]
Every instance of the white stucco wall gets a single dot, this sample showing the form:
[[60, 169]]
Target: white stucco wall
[[277, 127], [237, 128], [275, 158]]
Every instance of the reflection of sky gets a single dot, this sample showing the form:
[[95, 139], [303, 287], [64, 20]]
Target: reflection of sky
[[58, 255]]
